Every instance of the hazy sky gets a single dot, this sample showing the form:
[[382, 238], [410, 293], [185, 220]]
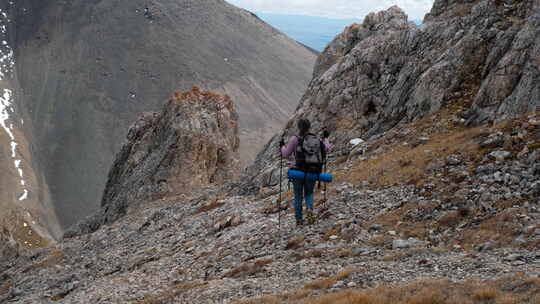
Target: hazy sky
[[416, 9]]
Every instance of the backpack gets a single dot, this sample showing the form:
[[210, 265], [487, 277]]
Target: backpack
[[310, 154]]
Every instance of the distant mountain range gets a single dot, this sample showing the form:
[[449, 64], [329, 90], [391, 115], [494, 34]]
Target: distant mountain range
[[314, 32]]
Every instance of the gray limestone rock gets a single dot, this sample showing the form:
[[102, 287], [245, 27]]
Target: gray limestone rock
[[409, 243], [388, 71], [191, 144]]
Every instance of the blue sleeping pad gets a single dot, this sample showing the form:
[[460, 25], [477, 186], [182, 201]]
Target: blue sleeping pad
[[323, 177]]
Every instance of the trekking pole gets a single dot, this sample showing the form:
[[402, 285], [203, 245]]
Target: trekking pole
[[325, 168], [280, 177], [325, 134]]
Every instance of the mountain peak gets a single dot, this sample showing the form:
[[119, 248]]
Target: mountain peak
[[191, 144], [394, 17]]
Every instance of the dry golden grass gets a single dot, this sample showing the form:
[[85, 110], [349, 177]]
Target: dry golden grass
[[248, 269], [406, 165], [487, 293], [329, 282], [407, 227], [501, 229], [395, 163], [5, 287], [171, 293], [507, 290], [262, 300], [334, 231], [21, 231], [290, 297]]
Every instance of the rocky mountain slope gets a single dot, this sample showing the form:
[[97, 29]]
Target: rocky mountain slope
[[441, 206], [479, 58], [83, 71], [213, 247]]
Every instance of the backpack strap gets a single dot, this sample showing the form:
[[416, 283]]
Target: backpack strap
[[323, 151], [299, 144]]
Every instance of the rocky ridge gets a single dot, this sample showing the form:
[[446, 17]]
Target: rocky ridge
[[477, 57], [191, 144]]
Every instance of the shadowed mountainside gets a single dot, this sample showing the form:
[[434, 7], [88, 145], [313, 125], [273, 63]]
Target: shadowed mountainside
[[85, 70]]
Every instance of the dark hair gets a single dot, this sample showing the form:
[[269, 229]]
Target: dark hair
[[303, 127]]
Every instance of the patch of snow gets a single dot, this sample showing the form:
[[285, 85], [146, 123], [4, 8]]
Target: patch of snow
[[24, 196], [6, 68], [13, 147]]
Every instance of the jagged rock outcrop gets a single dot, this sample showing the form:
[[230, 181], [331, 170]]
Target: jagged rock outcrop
[[84, 71], [478, 57], [191, 144]]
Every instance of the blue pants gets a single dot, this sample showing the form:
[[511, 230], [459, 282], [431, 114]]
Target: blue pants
[[302, 188]]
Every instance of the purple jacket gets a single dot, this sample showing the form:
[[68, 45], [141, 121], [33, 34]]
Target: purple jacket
[[288, 151]]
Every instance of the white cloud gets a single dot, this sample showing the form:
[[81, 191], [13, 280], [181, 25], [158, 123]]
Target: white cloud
[[416, 9]]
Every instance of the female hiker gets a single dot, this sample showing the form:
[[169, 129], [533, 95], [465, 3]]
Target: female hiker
[[307, 153]]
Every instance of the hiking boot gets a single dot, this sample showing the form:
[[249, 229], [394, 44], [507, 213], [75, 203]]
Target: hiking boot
[[299, 223], [311, 218]]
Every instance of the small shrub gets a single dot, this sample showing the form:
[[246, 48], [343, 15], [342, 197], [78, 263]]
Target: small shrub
[[295, 243], [248, 269], [334, 231], [485, 294], [5, 287], [450, 219], [328, 282], [344, 253], [315, 253], [533, 147]]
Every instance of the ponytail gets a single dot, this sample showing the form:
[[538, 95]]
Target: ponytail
[[303, 127]]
